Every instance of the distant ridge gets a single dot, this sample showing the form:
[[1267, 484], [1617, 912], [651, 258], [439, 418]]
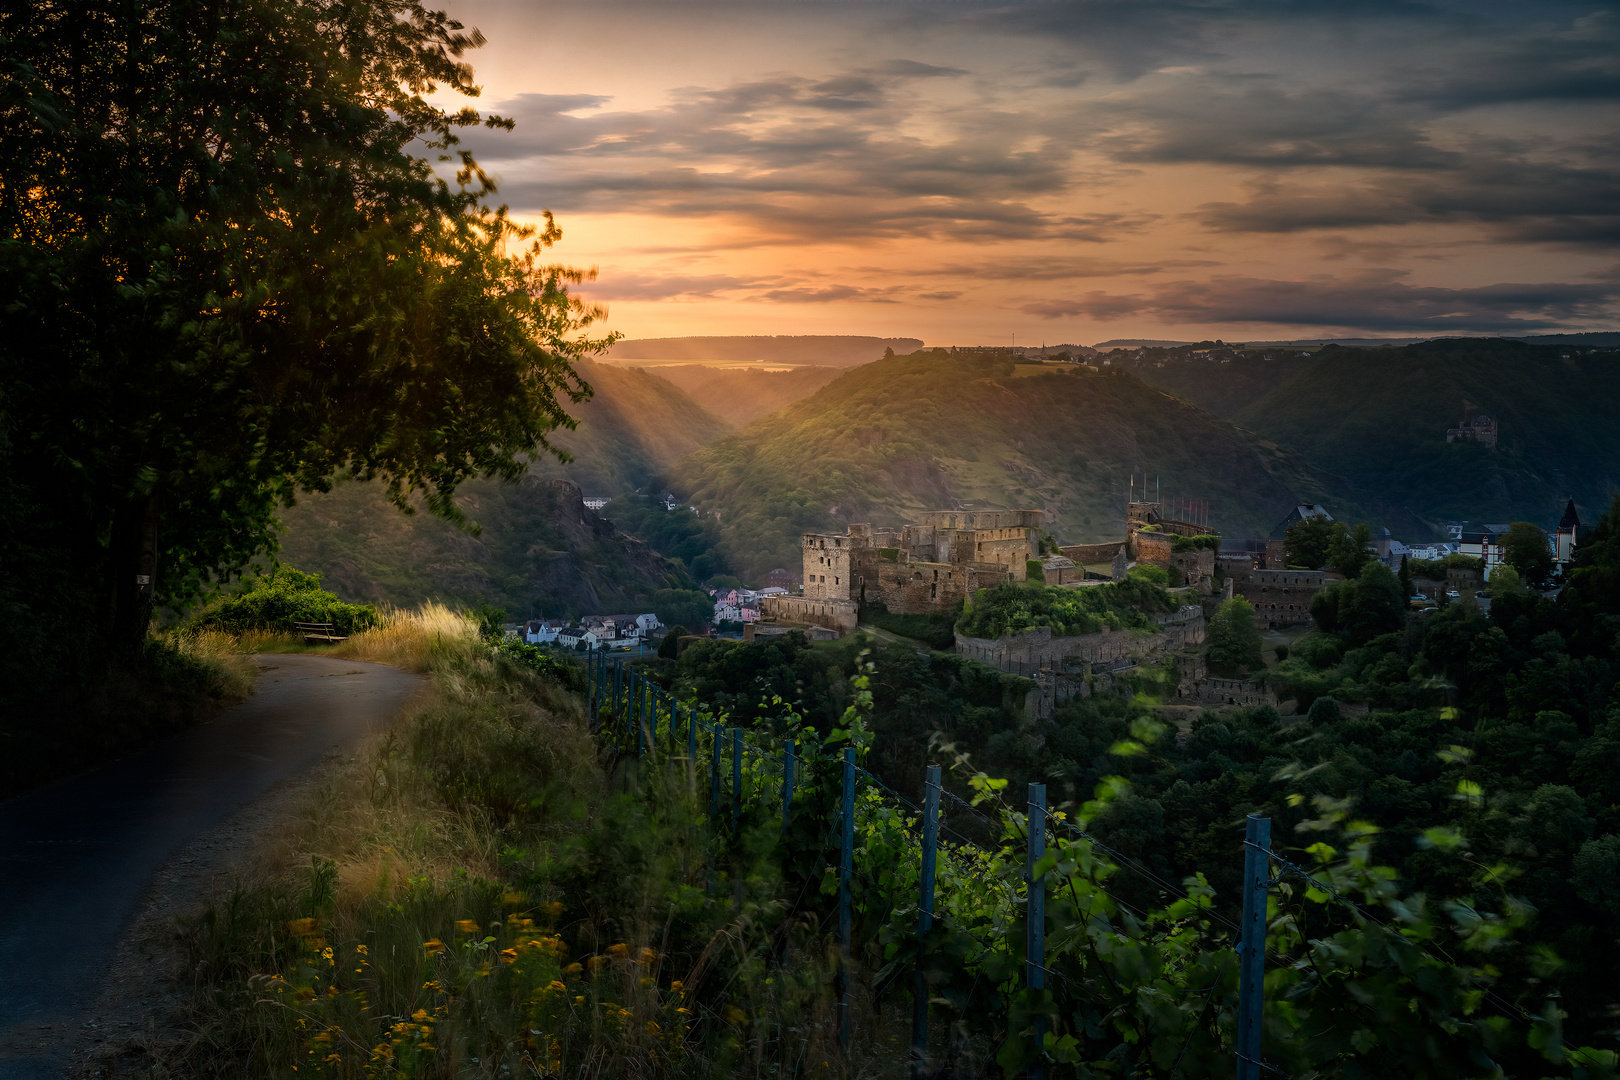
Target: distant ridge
[[824, 350]]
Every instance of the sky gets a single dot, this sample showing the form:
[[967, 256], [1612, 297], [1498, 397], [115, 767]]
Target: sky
[[972, 173]]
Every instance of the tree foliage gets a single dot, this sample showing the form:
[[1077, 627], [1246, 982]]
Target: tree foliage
[[1525, 548], [275, 600], [1232, 640], [228, 276]]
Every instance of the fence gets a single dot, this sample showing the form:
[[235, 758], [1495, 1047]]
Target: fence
[[642, 719]]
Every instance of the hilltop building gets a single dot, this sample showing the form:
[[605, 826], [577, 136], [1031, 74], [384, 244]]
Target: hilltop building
[[1478, 428], [924, 568]]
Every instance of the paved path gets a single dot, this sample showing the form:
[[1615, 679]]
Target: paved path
[[77, 858]]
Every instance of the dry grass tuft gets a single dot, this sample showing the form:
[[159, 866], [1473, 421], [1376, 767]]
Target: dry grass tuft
[[413, 640]]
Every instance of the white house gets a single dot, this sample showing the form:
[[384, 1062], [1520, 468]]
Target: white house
[[1484, 544], [542, 631], [570, 637], [649, 624]]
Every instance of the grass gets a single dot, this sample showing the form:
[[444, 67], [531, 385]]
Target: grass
[[486, 891]]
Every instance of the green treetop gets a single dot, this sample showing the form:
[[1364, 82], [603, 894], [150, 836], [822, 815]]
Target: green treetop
[[228, 275]]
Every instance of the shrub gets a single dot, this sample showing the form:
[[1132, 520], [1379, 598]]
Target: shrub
[[273, 602], [1209, 541]]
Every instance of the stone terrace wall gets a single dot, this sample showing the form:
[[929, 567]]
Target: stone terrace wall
[[1037, 648]]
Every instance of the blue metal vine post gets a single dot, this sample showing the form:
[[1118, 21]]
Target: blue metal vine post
[[787, 784], [736, 778], [1035, 922], [1252, 948], [714, 771], [925, 923], [846, 866]]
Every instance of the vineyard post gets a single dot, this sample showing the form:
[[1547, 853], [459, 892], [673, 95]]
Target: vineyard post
[[787, 784], [638, 714], [590, 688], [846, 866], [925, 923], [714, 771], [691, 748], [736, 778], [618, 678], [1252, 946], [1035, 921]]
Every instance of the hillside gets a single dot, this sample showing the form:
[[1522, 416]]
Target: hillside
[[739, 397], [538, 547], [636, 426], [1379, 417], [541, 550], [826, 350], [936, 429]]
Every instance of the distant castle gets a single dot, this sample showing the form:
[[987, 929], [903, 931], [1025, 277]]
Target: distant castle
[[1480, 429]]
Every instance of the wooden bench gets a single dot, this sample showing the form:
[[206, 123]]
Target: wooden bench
[[319, 633]]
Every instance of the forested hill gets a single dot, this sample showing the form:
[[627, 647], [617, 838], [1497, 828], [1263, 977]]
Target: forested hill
[[1379, 418], [936, 429], [828, 350], [635, 426], [740, 396], [540, 550]]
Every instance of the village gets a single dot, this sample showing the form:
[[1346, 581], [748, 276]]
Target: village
[[935, 565]]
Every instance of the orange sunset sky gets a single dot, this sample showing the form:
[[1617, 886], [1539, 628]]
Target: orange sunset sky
[[1073, 172]]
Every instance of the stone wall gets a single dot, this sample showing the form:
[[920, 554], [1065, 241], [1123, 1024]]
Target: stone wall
[[839, 615], [1154, 548], [1034, 649], [1091, 554], [1280, 597], [826, 565], [1192, 566], [919, 588]]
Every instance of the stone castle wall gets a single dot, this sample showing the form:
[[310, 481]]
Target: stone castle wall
[[1091, 554], [919, 588], [1154, 548], [1280, 597], [839, 615]]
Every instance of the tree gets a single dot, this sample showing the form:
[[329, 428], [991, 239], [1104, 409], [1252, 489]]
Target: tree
[[670, 647], [1350, 550], [1405, 576], [1308, 541], [683, 607], [1232, 641], [1525, 548], [228, 277]]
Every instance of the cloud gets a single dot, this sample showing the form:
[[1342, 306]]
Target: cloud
[[623, 285], [1373, 300], [828, 294]]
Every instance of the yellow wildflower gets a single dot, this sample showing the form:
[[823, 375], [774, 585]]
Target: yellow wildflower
[[573, 969], [509, 956], [362, 950], [512, 898], [467, 926], [419, 1015], [433, 946], [619, 951], [645, 955]]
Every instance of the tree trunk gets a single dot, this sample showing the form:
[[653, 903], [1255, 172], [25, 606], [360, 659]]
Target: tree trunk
[[134, 571]]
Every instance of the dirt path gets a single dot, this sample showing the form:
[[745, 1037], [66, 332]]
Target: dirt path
[[88, 866]]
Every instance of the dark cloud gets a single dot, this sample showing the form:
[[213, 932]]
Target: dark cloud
[[828, 294], [1375, 300]]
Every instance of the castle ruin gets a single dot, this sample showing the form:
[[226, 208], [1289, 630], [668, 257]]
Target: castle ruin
[[927, 567]]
